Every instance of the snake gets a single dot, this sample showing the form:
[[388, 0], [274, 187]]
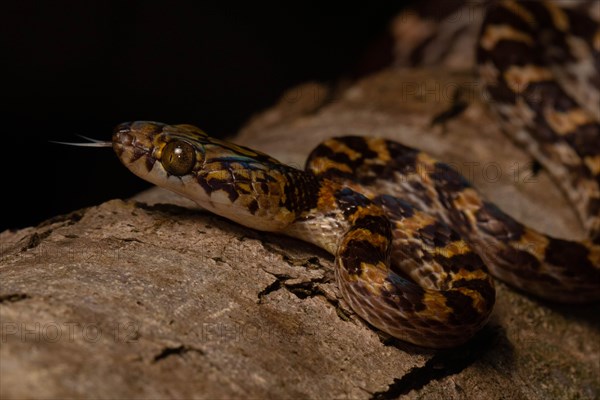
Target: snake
[[415, 244]]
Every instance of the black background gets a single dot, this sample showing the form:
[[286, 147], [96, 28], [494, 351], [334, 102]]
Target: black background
[[83, 67]]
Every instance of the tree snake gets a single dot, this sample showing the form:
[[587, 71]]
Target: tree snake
[[413, 240]]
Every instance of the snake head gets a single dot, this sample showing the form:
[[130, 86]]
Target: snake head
[[166, 155], [233, 181]]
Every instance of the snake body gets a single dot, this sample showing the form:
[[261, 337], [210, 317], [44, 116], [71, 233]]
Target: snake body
[[413, 240], [541, 66]]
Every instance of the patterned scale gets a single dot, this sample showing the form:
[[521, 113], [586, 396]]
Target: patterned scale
[[541, 66]]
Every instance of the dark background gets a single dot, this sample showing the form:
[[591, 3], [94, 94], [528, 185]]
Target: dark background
[[82, 67]]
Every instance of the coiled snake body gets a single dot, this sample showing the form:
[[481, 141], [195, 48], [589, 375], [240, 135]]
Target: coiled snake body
[[413, 239]]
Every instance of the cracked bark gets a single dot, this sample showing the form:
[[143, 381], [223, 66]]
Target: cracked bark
[[171, 351], [13, 297], [155, 298]]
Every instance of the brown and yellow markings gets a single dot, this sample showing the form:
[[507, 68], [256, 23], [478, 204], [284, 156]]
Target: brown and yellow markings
[[430, 275], [259, 176], [517, 9], [380, 147], [424, 165], [374, 276], [426, 161], [496, 33], [518, 78], [337, 146], [594, 253], [417, 221], [532, 242], [241, 174], [455, 248], [363, 211], [593, 164], [157, 152], [244, 187], [323, 164], [365, 235], [435, 306], [558, 15], [566, 122], [479, 302], [158, 145], [471, 275], [468, 200], [221, 175], [158, 141], [326, 200]]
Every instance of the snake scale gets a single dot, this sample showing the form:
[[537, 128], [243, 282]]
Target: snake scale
[[414, 242]]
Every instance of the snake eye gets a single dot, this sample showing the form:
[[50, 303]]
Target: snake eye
[[178, 157]]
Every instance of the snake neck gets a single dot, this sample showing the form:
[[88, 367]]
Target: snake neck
[[262, 197]]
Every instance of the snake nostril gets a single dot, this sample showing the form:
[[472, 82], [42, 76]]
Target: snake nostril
[[122, 135], [123, 127]]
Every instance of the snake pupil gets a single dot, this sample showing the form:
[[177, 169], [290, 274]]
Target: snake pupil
[[178, 157]]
